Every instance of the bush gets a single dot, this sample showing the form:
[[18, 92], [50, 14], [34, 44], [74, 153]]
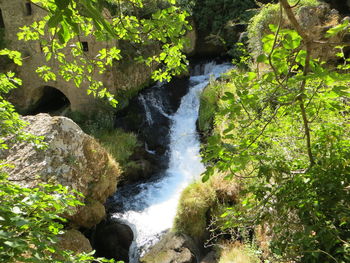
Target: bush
[[212, 15], [30, 221], [287, 136], [218, 19], [259, 24], [195, 203], [120, 144]]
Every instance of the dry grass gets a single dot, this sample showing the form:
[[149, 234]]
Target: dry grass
[[237, 253], [199, 202], [195, 202], [227, 191]]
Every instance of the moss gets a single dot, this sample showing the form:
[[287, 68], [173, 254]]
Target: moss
[[210, 102], [195, 202], [200, 202], [208, 106], [120, 144]]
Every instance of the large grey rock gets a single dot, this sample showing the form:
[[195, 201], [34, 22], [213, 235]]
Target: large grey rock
[[173, 248], [73, 159]]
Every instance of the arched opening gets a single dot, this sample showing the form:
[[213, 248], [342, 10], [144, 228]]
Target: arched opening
[[50, 100]]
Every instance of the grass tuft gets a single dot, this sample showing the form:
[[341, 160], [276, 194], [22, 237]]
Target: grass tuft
[[199, 202], [237, 253]]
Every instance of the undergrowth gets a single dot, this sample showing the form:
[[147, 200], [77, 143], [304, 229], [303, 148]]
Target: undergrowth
[[117, 142]]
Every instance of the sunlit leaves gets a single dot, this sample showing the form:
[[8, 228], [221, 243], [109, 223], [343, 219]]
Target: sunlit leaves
[[15, 56], [30, 220], [65, 24], [46, 73], [259, 140], [337, 29]]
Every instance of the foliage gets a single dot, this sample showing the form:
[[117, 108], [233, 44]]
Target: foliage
[[119, 144], [259, 24], [68, 20], [212, 16], [10, 122], [210, 102], [217, 19], [30, 221], [287, 137], [30, 218]]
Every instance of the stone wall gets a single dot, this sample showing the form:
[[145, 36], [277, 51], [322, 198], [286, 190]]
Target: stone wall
[[15, 15]]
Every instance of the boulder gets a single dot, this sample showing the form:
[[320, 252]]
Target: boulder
[[75, 241], [72, 158], [112, 240], [173, 248], [316, 21]]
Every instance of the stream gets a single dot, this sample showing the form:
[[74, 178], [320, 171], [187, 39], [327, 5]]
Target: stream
[[149, 208]]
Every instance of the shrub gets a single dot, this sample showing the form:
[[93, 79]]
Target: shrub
[[30, 221], [288, 135], [120, 144], [259, 24], [210, 103], [218, 19]]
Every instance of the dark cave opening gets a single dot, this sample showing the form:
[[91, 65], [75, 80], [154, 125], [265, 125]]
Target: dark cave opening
[[52, 101]]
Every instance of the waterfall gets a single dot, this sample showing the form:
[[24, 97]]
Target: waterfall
[[149, 208]]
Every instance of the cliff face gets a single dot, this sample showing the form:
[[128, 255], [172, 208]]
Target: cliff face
[[72, 158]]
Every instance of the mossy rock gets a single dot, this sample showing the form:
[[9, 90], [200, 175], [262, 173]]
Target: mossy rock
[[173, 247]]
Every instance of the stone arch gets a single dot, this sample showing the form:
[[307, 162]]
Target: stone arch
[[48, 99]]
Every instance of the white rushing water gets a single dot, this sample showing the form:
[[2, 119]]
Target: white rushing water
[[152, 210]]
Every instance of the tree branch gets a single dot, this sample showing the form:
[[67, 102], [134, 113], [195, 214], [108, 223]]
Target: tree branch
[[308, 43]]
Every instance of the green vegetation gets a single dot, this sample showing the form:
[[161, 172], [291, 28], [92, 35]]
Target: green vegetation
[[217, 19], [284, 135], [65, 23], [30, 221], [200, 203], [30, 218], [259, 25], [210, 103], [213, 16], [191, 219], [120, 144]]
